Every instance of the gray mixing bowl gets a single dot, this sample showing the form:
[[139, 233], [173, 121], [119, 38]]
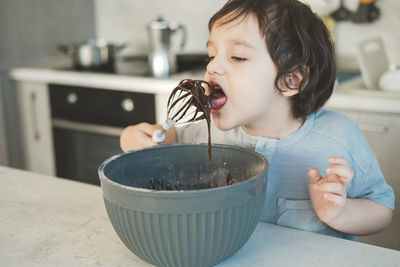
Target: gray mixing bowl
[[201, 225]]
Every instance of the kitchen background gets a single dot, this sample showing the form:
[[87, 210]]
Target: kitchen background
[[124, 21], [32, 30]]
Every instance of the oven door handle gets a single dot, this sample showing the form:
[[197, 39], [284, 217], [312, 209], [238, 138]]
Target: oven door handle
[[33, 104], [87, 127]]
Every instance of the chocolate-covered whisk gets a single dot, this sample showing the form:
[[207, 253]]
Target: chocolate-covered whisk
[[188, 102]]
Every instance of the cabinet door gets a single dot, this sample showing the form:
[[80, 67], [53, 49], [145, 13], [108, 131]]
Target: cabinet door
[[34, 114], [382, 132]]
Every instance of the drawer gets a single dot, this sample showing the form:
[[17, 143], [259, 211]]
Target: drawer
[[100, 106]]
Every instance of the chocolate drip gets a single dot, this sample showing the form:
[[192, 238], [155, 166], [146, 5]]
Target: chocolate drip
[[192, 93]]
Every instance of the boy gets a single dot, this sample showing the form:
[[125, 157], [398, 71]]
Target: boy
[[274, 61]]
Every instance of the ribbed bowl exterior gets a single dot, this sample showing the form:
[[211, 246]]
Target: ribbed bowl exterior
[[198, 239], [192, 228]]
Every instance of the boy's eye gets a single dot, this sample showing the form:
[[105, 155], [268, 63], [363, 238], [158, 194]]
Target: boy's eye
[[239, 59], [210, 58]]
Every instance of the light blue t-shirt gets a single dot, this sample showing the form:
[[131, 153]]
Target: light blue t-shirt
[[324, 134]]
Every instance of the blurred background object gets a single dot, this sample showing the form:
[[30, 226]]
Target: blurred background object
[[373, 60], [324, 8], [367, 12], [162, 54], [342, 13]]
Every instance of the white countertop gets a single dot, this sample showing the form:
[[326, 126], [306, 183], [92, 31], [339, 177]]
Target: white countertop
[[350, 95], [96, 80], [55, 70], [48, 221]]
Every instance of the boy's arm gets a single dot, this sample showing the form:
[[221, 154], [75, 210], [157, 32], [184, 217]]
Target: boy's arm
[[329, 197], [140, 136], [362, 216]]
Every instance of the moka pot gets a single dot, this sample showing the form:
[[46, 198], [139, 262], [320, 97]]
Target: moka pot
[[162, 57]]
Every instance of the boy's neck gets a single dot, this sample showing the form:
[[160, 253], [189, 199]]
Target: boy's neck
[[276, 128]]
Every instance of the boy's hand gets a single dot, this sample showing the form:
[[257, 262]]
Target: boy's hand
[[328, 194], [140, 136]]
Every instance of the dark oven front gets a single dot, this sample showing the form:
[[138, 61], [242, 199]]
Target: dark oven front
[[87, 123]]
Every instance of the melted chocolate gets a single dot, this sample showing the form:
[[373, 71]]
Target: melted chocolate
[[188, 94], [188, 102], [201, 182]]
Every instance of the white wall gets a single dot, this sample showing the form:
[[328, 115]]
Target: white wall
[[33, 29], [125, 21]]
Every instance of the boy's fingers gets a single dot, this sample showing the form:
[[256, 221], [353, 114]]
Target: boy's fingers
[[148, 142], [149, 129], [334, 188], [138, 136], [338, 160], [313, 175], [344, 172]]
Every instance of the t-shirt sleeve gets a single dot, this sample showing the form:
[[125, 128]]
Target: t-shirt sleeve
[[372, 185], [368, 181]]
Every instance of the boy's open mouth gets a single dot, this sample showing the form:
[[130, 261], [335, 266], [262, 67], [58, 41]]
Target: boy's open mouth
[[219, 98]]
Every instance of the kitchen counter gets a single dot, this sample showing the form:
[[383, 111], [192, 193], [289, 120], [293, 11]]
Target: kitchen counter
[[58, 70], [353, 95], [49, 221]]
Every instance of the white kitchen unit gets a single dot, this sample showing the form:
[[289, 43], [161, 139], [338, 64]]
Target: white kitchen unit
[[4, 146], [34, 115], [377, 113]]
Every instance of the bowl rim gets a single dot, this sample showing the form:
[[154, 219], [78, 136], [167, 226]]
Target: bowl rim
[[103, 177]]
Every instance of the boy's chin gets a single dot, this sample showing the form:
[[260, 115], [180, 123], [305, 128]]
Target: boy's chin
[[222, 125]]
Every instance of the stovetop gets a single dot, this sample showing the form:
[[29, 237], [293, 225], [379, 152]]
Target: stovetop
[[138, 65]]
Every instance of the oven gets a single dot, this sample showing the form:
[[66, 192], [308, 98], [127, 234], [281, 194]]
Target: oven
[[87, 123]]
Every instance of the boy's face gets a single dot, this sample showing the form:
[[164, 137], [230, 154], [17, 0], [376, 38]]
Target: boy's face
[[241, 65]]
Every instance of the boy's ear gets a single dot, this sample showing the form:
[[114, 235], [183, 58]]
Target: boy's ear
[[290, 85]]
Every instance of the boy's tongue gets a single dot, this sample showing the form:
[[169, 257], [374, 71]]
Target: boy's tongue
[[219, 102]]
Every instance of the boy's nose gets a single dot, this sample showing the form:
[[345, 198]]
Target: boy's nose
[[215, 67]]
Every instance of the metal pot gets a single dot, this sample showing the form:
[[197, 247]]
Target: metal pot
[[92, 54]]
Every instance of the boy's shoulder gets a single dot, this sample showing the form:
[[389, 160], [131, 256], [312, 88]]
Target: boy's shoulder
[[338, 128], [333, 122], [338, 131]]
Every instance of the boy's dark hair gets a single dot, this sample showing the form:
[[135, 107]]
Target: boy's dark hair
[[297, 40]]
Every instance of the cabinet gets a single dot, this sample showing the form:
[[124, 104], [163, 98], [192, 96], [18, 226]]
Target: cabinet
[[35, 125], [382, 132]]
